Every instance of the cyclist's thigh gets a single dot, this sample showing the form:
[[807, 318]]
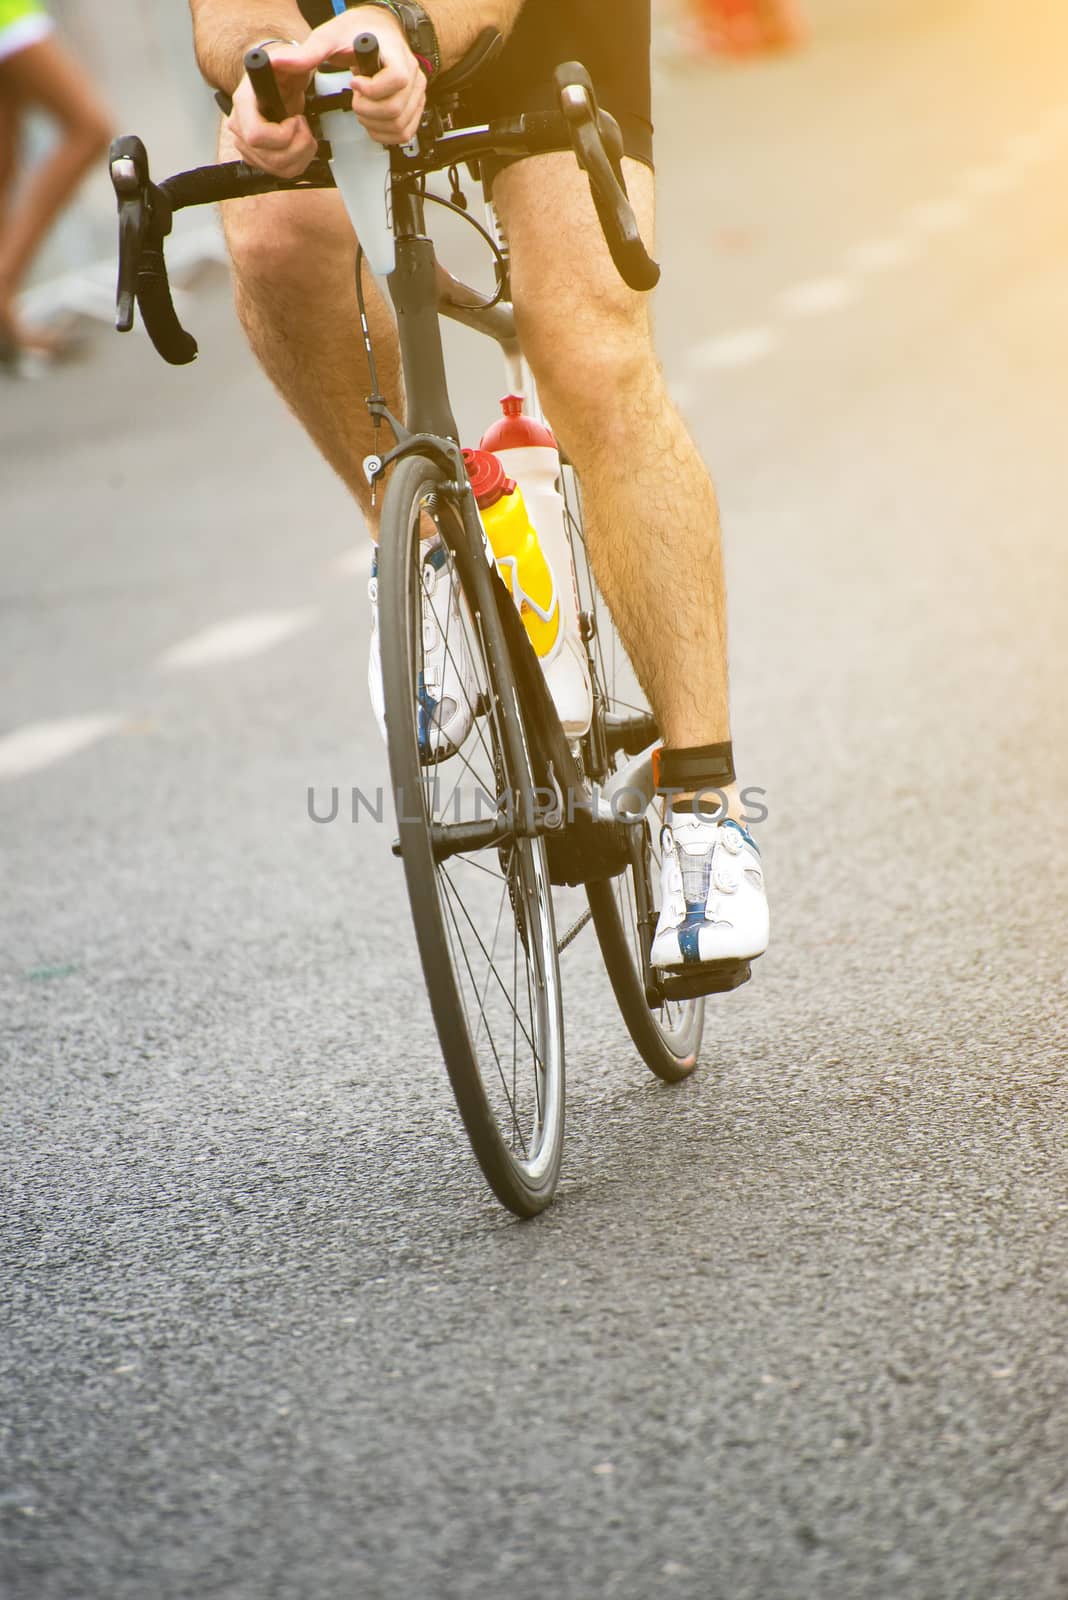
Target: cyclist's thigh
[[612, 42], [563, 279]]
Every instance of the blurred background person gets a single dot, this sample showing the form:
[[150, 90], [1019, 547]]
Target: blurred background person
[[742, 27], [38, 73]]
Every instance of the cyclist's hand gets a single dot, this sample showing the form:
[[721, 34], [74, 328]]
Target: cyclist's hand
[[282, 148], [391, 103]]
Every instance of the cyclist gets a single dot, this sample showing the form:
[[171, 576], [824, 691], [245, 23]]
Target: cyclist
[[652, 529]]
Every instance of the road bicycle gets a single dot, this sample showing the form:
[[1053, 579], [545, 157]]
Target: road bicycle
[[498, 838]]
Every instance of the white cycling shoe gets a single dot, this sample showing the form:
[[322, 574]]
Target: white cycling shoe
[[448, 689], [713, 907]]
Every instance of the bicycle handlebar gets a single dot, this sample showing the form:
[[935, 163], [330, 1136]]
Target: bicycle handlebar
[[146, 209], [260, 74], [145, 216], [591, 133]]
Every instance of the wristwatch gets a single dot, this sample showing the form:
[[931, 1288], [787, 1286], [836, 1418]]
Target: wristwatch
[[418, 28]]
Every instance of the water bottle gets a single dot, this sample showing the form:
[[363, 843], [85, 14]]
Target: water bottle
[[516, 549], [528, 453]]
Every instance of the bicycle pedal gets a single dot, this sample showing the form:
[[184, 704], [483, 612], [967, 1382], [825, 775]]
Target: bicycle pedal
[[715, 977]]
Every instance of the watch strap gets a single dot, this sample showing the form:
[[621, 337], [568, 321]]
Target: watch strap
[[418, 30]]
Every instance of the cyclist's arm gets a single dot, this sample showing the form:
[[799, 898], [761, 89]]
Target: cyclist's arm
[[458, 23], [224, 30], [389, 105]]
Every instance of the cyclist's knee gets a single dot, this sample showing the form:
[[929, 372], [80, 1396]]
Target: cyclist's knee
[[593, 369], [275, 237], [285, 239], [260, 243]]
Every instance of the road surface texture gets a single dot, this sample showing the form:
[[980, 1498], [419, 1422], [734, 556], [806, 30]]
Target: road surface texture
[[794, 1329]]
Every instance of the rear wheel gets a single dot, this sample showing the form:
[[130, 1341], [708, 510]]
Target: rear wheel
[[667, 1033], [478, 885]]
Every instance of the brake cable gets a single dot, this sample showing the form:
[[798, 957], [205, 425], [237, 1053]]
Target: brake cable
[[499, 264], [376, 400]]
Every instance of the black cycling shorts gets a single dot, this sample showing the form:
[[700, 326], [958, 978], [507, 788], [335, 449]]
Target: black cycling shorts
[[611, 41]]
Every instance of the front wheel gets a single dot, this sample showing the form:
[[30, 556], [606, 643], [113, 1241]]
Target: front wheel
[[478, 882]]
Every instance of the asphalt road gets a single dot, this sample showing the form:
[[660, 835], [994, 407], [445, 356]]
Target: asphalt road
[[795, 1328]]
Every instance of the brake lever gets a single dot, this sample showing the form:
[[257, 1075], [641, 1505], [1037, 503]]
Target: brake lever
[[128, 165], [145, 216], [598, 147]]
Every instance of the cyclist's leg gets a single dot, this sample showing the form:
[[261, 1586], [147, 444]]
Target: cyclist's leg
[[9, 142], [294, 259], [44, 75], [652, 523], [652, 530]]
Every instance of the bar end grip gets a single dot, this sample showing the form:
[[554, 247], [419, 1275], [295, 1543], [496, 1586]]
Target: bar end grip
[[368, 56], [261, 76]]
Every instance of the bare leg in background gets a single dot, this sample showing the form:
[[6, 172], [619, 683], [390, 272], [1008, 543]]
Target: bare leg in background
[[44, 76]]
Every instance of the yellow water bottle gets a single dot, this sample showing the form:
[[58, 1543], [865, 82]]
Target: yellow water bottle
[[520, 559]]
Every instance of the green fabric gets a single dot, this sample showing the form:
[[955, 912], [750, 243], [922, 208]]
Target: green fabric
[[12, 11]]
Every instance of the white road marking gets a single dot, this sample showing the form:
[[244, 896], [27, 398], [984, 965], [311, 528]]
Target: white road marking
[[1024, 149], [940, 216], [998, 177], [39, 744], [355, 563], [739, 349], [237, 639], [818, 297], [882, 255]]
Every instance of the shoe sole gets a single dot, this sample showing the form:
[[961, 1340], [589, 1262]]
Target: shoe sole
[[711, 977]]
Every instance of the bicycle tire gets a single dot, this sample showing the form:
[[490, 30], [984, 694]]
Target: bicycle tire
[[518, 1146], [667, 1034]]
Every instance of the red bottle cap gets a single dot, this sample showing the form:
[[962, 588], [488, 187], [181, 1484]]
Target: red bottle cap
[[488, 478], [515, 430]]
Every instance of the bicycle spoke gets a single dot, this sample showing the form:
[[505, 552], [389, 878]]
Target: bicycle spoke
[[493, 952], [456, 669], [451, 657], [481, 944], [469, 861], [489, 1035]]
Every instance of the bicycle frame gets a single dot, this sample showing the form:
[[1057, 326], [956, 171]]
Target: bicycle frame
[[592, 842]]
